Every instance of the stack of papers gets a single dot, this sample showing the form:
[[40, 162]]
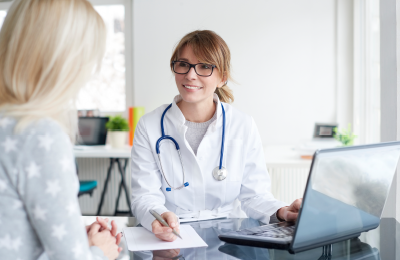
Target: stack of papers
[[140, 239]]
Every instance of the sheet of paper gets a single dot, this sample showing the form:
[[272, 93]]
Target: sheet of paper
[[184, 220], [140, 239]]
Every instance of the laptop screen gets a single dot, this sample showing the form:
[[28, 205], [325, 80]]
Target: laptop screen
[[346, 192], [92, 130]]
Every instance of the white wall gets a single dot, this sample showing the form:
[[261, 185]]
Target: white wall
[[283, 57]]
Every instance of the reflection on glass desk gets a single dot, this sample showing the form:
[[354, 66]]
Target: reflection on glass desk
[[381, 243]]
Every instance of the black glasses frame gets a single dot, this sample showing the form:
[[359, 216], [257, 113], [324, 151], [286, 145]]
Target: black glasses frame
[[194, 67]]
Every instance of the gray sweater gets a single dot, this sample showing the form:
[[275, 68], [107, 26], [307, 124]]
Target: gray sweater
[[39, 209], [196, 131]]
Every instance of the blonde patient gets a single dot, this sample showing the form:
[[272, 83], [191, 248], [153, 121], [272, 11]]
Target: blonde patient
[[48, 50]]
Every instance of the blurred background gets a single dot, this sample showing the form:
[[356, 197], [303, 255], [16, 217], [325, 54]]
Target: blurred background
[[297, 65]]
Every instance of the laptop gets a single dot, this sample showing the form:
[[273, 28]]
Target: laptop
[[345, 195], [92, 131]]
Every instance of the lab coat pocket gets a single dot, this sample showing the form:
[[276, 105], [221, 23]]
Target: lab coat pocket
[[234, 159]]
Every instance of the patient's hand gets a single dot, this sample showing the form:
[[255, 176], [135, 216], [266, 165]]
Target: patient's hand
[[104, 225], [101, 236], [104, 240], [290, 213]]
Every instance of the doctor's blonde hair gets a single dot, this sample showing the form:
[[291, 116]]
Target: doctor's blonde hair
[[48, 51], [209, 48]]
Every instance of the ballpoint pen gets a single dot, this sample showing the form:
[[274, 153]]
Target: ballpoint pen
[[162, 221]]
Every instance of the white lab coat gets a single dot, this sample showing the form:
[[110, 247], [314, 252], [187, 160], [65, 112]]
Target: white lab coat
[[247, 181]]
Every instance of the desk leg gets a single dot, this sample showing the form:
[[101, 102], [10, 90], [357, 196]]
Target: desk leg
[[122, 185], [105, 186]]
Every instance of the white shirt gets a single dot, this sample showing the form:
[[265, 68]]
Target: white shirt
[[247, 181]]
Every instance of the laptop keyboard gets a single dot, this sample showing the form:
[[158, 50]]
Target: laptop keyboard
[[280, 230]]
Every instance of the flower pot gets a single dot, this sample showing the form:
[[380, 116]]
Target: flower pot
[[117, 138]]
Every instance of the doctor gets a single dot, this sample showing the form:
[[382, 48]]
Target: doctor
[[198, 157]]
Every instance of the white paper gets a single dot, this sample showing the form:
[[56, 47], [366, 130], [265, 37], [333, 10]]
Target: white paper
[[140, 239], [184, 220]]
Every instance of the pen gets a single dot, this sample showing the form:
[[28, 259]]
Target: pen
[[162, 221]]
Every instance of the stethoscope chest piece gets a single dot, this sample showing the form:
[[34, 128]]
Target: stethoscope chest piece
[[220, 174]]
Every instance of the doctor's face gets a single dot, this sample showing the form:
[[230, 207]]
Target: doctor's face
[[192, 87]]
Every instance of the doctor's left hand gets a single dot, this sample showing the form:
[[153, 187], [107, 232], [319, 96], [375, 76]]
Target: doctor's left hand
[[291, 212], [165, 233]]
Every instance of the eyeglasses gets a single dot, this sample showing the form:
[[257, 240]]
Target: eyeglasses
[[201, 69]]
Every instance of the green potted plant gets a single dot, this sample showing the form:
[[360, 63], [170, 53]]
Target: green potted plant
[[117, 127], [345, 136]]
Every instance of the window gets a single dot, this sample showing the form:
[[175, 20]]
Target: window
[[106, 90], [367, 71], [2, 17]]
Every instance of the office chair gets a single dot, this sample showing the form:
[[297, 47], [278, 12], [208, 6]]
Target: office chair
[[85, 187]]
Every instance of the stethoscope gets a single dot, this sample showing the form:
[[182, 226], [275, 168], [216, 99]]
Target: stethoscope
[[219, 173]]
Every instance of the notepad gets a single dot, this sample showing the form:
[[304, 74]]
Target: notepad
[[140, 239]]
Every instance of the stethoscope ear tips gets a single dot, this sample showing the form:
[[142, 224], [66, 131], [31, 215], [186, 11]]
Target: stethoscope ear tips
[[186, 184]]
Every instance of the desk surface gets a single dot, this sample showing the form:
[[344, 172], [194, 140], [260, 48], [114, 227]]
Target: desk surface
[[381, 243], [101, 151], [274, 155]]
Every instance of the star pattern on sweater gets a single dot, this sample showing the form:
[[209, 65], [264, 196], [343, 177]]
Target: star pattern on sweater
[[10, 145], [33, 170], [58, 231], [17, 204], [10, 244], [71, 208], [66, 164], [45, 141], [39, 213], [77, 250], [4, 122], [3, 185], [53, 187]]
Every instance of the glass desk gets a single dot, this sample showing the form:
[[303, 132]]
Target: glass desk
[[381, 243]]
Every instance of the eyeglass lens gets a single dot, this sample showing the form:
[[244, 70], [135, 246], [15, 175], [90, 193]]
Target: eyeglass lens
[[201, 69]]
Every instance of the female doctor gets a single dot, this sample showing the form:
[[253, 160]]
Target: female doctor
[[198, 157]]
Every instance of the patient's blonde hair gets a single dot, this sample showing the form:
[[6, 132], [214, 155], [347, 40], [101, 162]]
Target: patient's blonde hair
[[48, 51]]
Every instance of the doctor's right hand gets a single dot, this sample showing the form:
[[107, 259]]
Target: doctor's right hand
[[165, 233]]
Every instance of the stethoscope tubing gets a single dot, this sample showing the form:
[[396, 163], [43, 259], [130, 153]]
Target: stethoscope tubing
[[167, 137], [223, 137]]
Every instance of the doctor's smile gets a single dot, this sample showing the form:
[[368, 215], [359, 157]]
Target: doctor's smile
[[192, 87]]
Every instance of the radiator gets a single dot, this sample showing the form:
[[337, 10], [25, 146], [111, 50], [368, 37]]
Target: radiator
[[96, 169], [288, 183]]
